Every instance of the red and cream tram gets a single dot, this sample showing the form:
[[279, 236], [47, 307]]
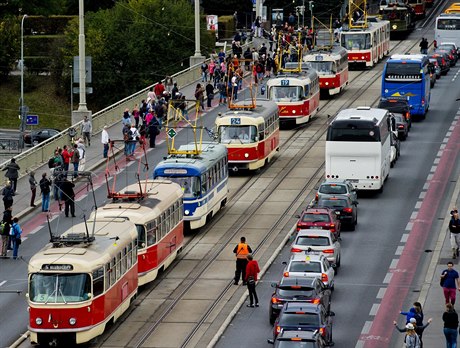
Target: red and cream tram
[[332, 68], [251, 135], [158, 217], [78, 284], [366, 46], [296, 94]]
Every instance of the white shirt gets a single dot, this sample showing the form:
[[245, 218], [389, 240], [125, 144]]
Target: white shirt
[[104, 137], [135, 132]]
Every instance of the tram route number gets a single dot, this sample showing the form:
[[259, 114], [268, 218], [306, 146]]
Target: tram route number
[[235, 120], [284, 82], [319, 58]]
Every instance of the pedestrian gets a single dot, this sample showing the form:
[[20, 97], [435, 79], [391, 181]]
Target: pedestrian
[[136, 114], [169, 82], [204, 72], [418, 328], [454, 228], [15, 233], [86, 129], [409, 315], [12, 173], [222, 87], [58, 176], [82, 151], [33, 188], [126, 118], [411, 340], [252, 269], [45, 185], [75, 160], [209, 93], [199, 95], [134, 138], [424, 46], [241, 251], [450, 319], [450, 283], [150, 94], [183, 107], [8, 195], [8, 220], [159, 89], [69, 197], [66, 158], [175, 91], [105, 140], [234, 83], [5, 226], [154, 130]]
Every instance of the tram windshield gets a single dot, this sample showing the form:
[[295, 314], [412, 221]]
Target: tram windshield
[[394, 14], [190, 184], [237, 134], [59, 288], [356, 42], [324, 68], [286, 93]]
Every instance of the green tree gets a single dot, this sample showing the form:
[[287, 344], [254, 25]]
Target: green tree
[[134, 44], [9, 44]]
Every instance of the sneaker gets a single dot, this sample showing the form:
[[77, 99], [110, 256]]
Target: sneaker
[[244, 284], [250, 305], [235, 283], [257, 305]]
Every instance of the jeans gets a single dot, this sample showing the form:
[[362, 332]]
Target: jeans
[[15, 248], [75, 169], [424, 50], [451, 337], [45, 201], [106, 150], [204, 76], [449, 295], [252, 294]]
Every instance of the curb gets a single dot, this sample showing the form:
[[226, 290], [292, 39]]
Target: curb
[[21, 339]]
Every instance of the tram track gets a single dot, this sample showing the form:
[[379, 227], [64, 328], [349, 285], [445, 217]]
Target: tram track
[[225, 242]]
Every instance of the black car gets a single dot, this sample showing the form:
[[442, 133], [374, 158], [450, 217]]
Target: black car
[[451, 58], [451, 48], [298, 316], [298, 289], [299, 339], [345, 208], [37, 136], [443, 61], [397, 106], [401, 125]]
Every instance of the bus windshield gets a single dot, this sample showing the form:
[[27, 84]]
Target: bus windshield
[[237, 134], [448, 23], [356, 42], [402, 72], [286, 93], [323, 68], [190, 184], [59, 288]]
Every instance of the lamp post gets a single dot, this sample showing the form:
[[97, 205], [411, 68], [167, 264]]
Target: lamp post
[[21, 100], [197, 57], [71, 89]]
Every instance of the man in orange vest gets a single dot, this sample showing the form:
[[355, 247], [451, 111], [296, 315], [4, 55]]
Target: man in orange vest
[[242, 250]]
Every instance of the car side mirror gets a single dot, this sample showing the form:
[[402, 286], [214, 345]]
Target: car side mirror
[[297, 216], [271, 341], [273, 285], [284, 263]]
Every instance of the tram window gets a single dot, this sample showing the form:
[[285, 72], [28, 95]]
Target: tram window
[[261, 132], [151, 234], [107, 276], [285, 93], [123, 261], [118, 266], [98, 281], [60, 288], [113, 276], [130, 256], [204, 184], [134, 252], [141, 242]]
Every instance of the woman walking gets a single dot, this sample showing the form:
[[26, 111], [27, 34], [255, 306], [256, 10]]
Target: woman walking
[[411, 340], [33, 188], [450, 319], [8, 194], [252, 269]]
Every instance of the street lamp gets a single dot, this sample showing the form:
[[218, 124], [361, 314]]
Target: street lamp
[[71, 89], [21, 100]]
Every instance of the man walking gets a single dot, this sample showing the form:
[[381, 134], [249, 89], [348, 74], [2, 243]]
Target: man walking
[[8, 194], [86, 129], [12, 173], [252, 269], [45, 185], [454, 228], [33, 188], [242, 250], [75, 160], [5, 235], [16, 233], [69, 197], [105, 140], [450, 283]]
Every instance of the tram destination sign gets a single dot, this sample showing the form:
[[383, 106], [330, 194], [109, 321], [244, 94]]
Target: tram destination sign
[[56, 267]]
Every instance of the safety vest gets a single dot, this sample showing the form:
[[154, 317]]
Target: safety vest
[[242, 251]]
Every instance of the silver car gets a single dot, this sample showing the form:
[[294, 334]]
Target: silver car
[[337, 188]]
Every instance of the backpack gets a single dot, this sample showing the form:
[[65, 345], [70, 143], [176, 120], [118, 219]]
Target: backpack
[[2, 228], [127, 135]]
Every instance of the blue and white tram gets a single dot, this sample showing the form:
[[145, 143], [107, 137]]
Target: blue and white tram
[[203, 178]]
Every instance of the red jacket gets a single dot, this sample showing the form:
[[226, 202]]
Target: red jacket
[[159, 89], [66, 156], [252, 268]]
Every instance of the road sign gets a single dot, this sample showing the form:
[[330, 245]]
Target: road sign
[[172, 133], [32, 120]]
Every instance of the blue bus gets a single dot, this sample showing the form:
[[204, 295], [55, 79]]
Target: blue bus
[[407, 77], [203, 178]]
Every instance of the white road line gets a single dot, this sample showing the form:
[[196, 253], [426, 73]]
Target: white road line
[[429, 177], [23, 239], [439, 154], [413, 216], [422, 195], [35, 230], [360, 344], [381, 293], [374, 309], [399, 250], [394, 263], [409, 226], [433, 169], [442, 146], [418, 205], [404, 238], [451, 128], [448, 134], [366, 327], [426, 185], [436, 160], [387, 279], [445, 140], [2, 283]]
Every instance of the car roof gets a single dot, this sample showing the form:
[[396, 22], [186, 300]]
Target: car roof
[[314, 231], [302, 307], [298, 281]]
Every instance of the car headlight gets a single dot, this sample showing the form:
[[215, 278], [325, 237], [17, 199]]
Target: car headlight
[[38, 321], [72, 321], [186, 212], [246, 155]]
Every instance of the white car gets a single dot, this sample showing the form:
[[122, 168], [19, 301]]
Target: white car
[[316, 240], [308, 265]]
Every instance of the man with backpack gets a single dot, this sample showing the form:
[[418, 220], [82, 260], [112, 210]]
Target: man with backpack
[[45, 185]]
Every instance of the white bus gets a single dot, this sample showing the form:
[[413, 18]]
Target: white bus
[[448, 28], [358, 147]]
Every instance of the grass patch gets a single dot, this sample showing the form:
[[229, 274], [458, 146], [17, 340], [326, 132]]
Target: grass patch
[[53, 111]]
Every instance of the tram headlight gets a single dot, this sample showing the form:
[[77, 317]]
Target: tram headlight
[[293, 111], [186, 212], [72, 321], [327, 83], [246, 155], [395, 27], [38, 321], [362, 57]]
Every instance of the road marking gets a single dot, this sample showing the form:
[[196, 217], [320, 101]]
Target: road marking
[[442, 146], [448, 134], [394, 263], [429, 177], [451, 128], [409, 226], [388, 278], [436, 160], [359, 344], [422, 195], [374, 309], [445, 140], [418, 205], [404, 238], [35, 230], [366, 327], [413, 216], [381, 293], [439, 154], [2, 283], [426, 185], [433, 169], [399, 250]]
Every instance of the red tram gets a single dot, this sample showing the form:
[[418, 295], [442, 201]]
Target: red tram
[[251, 135], [419, 7], [332, 68]]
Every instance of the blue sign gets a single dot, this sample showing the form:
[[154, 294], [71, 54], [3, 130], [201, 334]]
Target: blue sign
[[32, 120]]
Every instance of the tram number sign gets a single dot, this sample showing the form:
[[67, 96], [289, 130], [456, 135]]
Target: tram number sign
[[319, 58], [172, 133], [236, 121], [284, 82]]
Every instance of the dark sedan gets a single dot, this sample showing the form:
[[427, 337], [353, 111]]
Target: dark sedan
[[298, 289], [37, 136], [402, 127], [345, 208], [451, 48], [443, 61], [397, 106]]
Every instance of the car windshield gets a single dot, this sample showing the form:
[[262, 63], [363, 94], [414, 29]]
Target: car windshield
[[332, 203], [305, 266], [312, 240], [304, 319], [399, 118], [315, 218], [59, 288], [285, 93], [237, 134], [296, 344], [190, 184], [446, 47], [331, 189]]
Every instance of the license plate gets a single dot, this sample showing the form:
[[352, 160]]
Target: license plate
[[353, 180]]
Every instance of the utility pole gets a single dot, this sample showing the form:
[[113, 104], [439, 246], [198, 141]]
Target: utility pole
[[197, 57], [22, 107]]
